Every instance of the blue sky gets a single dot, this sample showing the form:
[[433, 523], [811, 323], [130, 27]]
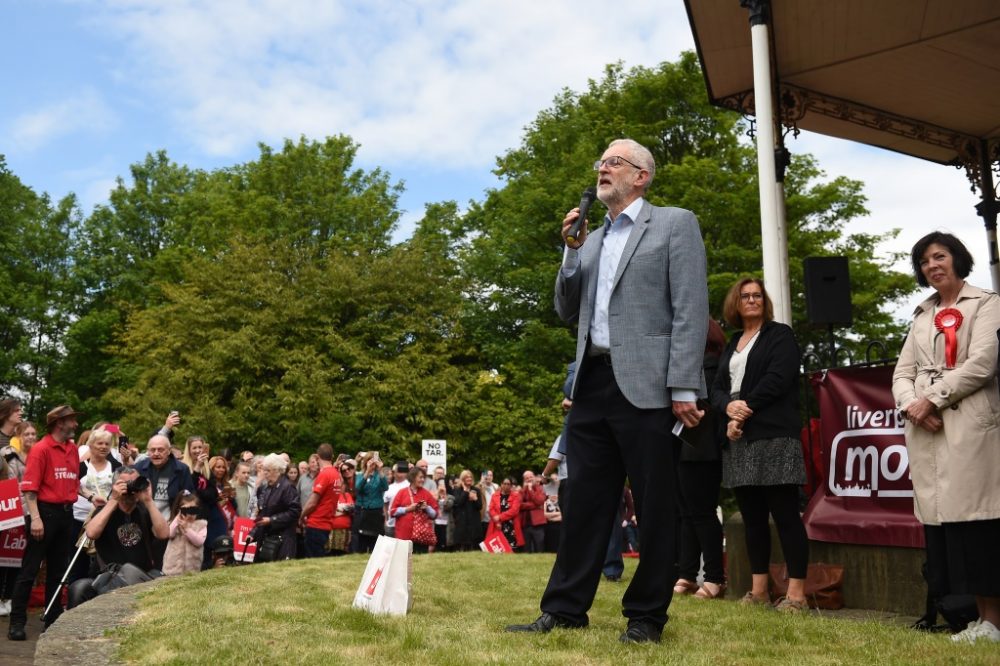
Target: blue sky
[[432, 90]]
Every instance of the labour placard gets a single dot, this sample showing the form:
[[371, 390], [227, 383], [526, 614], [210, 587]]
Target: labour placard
[[11, 511], [242, 551], [12, 545]]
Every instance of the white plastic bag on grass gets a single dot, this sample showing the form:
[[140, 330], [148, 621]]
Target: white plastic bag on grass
[[386, 587]]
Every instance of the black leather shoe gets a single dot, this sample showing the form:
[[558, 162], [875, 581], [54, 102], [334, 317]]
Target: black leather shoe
[[613, 579], [544, 624], [16, 633], [641, 632]]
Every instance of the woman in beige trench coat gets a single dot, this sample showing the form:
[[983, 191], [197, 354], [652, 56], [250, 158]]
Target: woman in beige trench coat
[[945, 384]]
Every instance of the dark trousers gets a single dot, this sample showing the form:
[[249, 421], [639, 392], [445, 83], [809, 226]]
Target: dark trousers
[[366, 542], [82, 567], [8, 576], [610, 438], [563, 494], [701, 531], [534, 538], [314, 542], [614, 565], [54, 548], [553, 531], [782, 502], [441, 534]]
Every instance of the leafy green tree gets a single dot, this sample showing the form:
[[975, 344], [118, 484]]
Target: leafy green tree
[[308, 195], [36, 291], [259, 348]]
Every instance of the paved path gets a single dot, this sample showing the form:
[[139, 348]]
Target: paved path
[[78, 636], [21, 653]]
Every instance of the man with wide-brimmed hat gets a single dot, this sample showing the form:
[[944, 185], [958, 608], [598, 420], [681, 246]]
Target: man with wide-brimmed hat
[[50, 488]]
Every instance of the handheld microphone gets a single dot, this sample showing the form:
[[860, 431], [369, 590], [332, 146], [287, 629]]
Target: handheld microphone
[[588, 197]]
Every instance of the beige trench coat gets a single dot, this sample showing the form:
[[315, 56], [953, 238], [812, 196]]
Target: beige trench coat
[[955, 471]]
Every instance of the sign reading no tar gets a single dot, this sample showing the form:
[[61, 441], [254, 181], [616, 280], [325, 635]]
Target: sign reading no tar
[[435, 452]]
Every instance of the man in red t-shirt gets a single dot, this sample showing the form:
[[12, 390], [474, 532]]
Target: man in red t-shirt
[[50, 488], [318, 513]]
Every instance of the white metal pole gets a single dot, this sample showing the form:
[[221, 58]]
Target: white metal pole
[[991, 244], [783, 286], [774, 240]]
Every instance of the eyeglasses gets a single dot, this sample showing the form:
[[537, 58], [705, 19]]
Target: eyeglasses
[[746, 298], [614, 162]]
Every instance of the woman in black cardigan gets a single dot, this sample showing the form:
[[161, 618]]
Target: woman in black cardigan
[[757, 388]]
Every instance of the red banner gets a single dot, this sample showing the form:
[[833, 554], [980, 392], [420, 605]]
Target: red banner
[[866, 497], [495, 542], [11, 511], [12, 545], [241, 532]]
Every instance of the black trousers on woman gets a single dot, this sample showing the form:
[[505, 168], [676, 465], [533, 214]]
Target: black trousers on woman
[[782, 502], [701, 531], [609, 438]]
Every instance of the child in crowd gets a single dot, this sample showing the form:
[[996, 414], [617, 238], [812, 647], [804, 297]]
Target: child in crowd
[[187, 537]]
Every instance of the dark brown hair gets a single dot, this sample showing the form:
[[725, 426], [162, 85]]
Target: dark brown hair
[[731, 306], [715, 344], [961, 260], [7, 407]]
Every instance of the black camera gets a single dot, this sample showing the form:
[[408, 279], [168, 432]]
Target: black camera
[[137, 485]]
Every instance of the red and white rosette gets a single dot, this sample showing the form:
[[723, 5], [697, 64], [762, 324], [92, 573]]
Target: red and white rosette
[[948, 321]]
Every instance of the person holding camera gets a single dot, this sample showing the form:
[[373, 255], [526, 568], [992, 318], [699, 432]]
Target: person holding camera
[[127, 525], [369, 490], [412, 500], [465, 514], [123, 531]]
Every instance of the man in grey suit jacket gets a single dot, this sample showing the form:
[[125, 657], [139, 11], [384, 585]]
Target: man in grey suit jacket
[[637, 289]]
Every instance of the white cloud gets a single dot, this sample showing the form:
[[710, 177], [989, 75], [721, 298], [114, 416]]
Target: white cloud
[[84, 111], [408, 80]]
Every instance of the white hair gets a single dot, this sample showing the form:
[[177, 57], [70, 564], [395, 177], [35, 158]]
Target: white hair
[[639, 154], [275, 461]]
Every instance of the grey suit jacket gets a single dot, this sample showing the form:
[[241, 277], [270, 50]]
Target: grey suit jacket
[[658, 313]]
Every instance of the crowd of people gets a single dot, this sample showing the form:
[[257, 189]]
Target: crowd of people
[[99, 503]]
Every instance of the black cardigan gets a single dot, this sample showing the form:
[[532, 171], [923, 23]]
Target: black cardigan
[[770, 384]]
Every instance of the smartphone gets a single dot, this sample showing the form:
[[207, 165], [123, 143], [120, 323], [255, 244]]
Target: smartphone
[[375, 456], [122, 441]]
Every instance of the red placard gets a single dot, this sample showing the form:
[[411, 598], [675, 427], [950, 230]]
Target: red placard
[[12, 545], [11, 511], [495, 542], [241, 532], [866, 496]]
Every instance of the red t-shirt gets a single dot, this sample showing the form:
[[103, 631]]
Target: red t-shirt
[[52, 471], [343, 521], [327, 485]]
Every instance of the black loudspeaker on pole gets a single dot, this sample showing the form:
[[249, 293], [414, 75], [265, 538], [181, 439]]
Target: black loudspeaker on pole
[[828, 291]]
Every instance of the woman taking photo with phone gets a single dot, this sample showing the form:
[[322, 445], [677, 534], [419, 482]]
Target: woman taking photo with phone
[[408, 503]]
